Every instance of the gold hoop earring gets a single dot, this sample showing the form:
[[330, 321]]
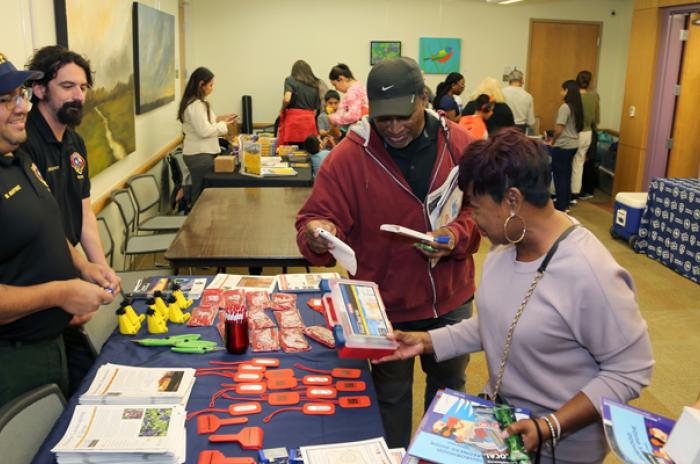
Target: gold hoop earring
[[505, 228]]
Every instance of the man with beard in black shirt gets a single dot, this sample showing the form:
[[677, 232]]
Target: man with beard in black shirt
[[60, 154]]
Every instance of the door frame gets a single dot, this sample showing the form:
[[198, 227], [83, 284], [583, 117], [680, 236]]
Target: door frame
[[563, 21], [668, 71]]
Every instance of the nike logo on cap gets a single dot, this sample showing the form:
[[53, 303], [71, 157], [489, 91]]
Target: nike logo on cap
[[384, 89]]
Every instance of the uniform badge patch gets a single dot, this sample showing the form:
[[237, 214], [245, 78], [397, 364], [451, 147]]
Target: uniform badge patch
[[77, 162], [38, 175]]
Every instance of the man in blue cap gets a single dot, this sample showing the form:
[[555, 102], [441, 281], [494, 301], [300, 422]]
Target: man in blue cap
[[44, 282], [382, 173]]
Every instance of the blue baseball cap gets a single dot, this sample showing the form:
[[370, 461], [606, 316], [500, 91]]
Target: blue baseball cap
[[10, 78]]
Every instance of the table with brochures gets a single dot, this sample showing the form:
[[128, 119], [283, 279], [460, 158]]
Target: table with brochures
[[303, 178], [289, 429]]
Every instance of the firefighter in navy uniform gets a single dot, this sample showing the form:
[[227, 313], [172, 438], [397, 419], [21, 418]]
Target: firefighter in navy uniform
[[44, 282]]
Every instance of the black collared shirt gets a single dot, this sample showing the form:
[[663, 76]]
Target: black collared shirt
[[33, 248], [65, 168], [416, 160]]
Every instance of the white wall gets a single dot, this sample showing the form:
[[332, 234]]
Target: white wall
[[250, 46], [29, 25]]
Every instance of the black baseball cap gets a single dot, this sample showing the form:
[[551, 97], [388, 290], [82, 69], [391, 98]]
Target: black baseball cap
[[10, 78], [393, 85]]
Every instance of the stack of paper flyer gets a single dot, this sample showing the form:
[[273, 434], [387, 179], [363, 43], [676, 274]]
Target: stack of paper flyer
[[124, 434], [249, 283], [460, 429], [373, 451], [117, 384], [303, 282]]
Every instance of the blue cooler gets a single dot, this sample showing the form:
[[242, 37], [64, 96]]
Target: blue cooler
[[627, 215]]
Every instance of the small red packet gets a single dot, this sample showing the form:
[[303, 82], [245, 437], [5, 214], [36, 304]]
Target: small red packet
[[233, 298], [289, 319], [258, 299], [283, 301], [258, 319], [203, 316], [321, 334], [211, 297], [293, 341], [264, 340]]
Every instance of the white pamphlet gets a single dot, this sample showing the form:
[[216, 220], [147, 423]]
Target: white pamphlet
[[340, 250]]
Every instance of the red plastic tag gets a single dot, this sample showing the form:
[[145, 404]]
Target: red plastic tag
[[267, 362], [316, 379], [248, 377], [283, 398], [277, 373], [250, 388], [316, 304], [350, 386], [354, 401], [281, 383], [319, 408], [316, 393], [248, 438], [240, 409]]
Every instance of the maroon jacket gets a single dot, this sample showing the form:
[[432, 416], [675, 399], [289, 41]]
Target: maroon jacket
[[358, 188]]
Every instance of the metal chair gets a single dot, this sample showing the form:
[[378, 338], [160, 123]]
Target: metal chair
[[26, 421], [144, 189], [136, 244]]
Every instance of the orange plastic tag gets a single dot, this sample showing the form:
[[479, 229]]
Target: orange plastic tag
[[251, 368], [316, 379], [350, 386], [239, 409], [315, 393], [282, 383], [354, 401], [267, 362], [277, 373], [250, 388], [319, 408], [283, 399], [249, 377], [345, 373]]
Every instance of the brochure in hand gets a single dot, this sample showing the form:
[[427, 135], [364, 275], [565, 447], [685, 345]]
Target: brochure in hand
[[634, 435], [460, 429]]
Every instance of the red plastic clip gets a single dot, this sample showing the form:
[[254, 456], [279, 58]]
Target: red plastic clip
[[217, 457], [248, 438], [209, 423]]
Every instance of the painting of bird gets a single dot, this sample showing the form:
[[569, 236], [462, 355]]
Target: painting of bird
[[439, 55], [442, 55]]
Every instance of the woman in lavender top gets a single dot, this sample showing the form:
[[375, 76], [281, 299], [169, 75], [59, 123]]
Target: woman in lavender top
[[580, 336]]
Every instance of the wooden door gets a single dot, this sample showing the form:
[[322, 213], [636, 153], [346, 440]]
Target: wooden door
[[684, 159], [558, 51]]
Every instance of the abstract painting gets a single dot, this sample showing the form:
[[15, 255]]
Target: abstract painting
[[154, 57], [440, 55], [101, 31], [382, 49]]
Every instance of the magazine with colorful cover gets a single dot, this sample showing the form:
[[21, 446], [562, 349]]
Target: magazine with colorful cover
[[303, 282], [460, 429], [634, 435]]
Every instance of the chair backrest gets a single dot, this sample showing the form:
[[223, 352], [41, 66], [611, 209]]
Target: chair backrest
[[145, 191], [101, 325], [26, 421], [106, 239], [122, 198]]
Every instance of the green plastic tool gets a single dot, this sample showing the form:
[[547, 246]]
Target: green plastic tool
[[196, 344], [195, 349], [173, 340]]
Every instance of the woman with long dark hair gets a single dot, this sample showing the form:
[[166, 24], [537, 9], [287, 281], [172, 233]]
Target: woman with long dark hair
[[568, 124], [355, 103], [202, 128], [444, 95], [300, 105]]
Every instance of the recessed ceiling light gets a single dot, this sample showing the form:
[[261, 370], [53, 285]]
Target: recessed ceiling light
[[508, 2]]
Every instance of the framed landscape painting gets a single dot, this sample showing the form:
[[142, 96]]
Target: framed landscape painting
[[382, 49], [101, 31], [154, 57]]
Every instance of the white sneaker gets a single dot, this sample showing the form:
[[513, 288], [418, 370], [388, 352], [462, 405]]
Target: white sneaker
[[573, 201]]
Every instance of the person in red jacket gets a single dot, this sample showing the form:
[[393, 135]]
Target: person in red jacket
[[382, 173]]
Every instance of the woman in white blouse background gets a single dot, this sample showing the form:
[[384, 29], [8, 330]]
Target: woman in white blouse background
[[201, 127]]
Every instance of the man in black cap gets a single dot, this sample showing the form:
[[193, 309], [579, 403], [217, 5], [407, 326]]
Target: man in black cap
[[40, 288], [60, 154], [382, 173]]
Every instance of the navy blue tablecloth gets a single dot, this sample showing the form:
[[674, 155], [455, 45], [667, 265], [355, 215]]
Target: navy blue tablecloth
[[670, 228], [288, 429]]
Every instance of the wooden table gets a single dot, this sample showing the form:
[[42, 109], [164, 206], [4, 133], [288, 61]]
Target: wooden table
[[304, 178], [240, 227]]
